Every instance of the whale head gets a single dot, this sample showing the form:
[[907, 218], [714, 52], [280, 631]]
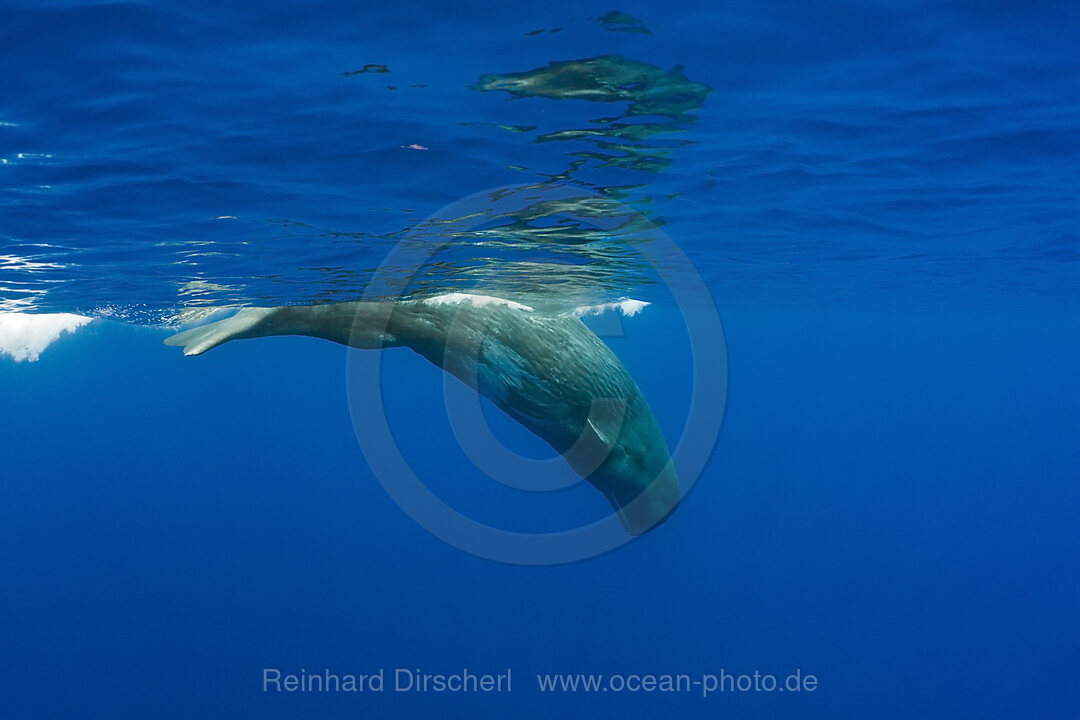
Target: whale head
[[622, 453], [642, 496]]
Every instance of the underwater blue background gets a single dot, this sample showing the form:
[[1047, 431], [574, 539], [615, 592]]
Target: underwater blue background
[[881, 197]]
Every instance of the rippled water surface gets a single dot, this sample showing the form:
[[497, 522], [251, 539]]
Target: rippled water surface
[[162, 155]]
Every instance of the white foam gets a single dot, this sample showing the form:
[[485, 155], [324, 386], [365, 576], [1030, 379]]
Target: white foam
[[474, 300], [24, 336], [627, 306]]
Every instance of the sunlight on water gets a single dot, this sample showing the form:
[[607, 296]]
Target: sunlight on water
[[823, 186], [567, 237]]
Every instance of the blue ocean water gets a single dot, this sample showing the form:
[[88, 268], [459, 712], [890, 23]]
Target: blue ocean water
[[881, 198]]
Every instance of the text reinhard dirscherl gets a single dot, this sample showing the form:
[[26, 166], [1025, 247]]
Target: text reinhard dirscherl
[[401, 680], [415, 680]]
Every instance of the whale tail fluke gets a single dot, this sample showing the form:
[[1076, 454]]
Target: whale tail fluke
[[243, 324]]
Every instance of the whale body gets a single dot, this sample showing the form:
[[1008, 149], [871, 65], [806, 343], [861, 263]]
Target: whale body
[[548, 371]]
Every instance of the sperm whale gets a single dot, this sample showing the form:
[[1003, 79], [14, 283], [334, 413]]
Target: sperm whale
[[547, 371]]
